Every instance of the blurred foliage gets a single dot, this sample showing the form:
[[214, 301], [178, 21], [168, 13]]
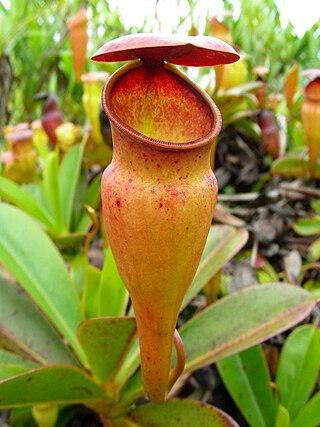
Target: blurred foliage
[[259, 33], [261, 114], [35, 53], [39, 29]]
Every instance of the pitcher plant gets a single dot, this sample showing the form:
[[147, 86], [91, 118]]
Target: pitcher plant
[[310, 114], [159, 192]]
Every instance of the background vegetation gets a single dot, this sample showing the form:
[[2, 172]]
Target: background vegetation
[[266, 226]]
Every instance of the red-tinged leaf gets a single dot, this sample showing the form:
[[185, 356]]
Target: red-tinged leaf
[[106, 341], [175, 413], [222, 215], [54, 384], [241, 320], [189, 51]]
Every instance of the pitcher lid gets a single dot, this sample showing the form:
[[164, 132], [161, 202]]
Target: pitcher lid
[[196, 51]]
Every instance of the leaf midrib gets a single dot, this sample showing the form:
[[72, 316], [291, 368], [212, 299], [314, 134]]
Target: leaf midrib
[[54, 314], [200, 361]]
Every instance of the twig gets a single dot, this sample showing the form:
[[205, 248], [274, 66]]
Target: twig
[[95, 227], [247, 197], [301, 189]]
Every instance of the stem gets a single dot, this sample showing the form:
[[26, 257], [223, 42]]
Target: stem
[[95, 227], [274, 387], [181, 358]]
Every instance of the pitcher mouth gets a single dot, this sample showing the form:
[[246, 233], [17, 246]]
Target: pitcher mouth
[[206, 139]]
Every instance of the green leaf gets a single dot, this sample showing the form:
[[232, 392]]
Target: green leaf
[[11, 365], [92, 277], [314, 249], [177, 413], [246, 377], [3, 9], [54, 384], [316, 205], [309, 416], [77, 271], [106, 342], [13, 193], [22, 417], [298, 368], [24, 329], [293, 166], [242, 320], [68, 178], [42, 150], [36, 190], [78, 208], [113, 296], [222, 244], [129, 368], [28, 253], [307, 226], [68, 240], [133, 389], [239, 115], [93, 199], [250, 128], [267, 273], [51, 187], [283, 418], [243, 89]]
